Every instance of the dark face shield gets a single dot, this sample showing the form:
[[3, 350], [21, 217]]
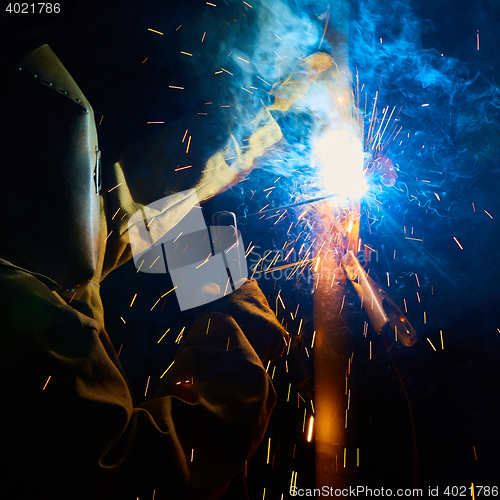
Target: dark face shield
[[50, 176]]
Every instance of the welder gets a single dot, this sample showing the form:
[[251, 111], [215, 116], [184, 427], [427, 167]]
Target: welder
[[69, 426]]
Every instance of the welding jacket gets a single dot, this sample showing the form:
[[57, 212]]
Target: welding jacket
[[70, 427]]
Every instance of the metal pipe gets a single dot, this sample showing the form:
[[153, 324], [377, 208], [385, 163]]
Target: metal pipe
[[335, 436]]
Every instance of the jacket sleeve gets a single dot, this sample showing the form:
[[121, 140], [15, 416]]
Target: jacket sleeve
[[70, 424]]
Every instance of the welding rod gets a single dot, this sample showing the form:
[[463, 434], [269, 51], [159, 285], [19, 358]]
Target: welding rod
[[286, 206]]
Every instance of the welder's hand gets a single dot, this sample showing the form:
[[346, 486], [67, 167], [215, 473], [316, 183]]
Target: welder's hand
[[295, 87], [220, 176], [249, 308]]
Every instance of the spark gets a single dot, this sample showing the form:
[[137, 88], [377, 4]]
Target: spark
[[186, 53], [342, 306], [108, 236], [46, 383], [489, 215], [249, 252], [188, 144], [178, 236], [276, 36], [311, 425], [248, 5], [113, 188], [458, 243], [133, 300], [152, 123], [423, 105], [178, 339], [357, 458], [183, 168], [153, 264], [169, 366], [314, 336], [318, 260], [268, 449], [155, 304], [441, 335], [116, 213], [154, 31], [244, 60], [175, 87], [192, 454], [264, 81], [278, 55], [212, 4], [147, 385], [473, 493], [185, 134], [475, 454], [140, 266], [163, 336], [227, 72], [289, 389], [178, 27], [204, 262], [432, 345], [477, 39], [102, 117], [203, 37], [208, 326], [168, 292], [143, 63]]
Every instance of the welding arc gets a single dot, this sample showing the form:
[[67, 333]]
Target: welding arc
[[286, 206]]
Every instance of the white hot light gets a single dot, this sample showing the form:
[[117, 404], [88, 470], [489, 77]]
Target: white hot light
[[341, 160]]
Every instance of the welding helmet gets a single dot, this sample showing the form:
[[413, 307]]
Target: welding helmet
[[50, 180]]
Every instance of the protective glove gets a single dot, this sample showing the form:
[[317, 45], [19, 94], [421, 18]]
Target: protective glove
[[248, 306]]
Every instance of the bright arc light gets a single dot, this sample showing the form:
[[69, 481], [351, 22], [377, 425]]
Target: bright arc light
[[341, 159]]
